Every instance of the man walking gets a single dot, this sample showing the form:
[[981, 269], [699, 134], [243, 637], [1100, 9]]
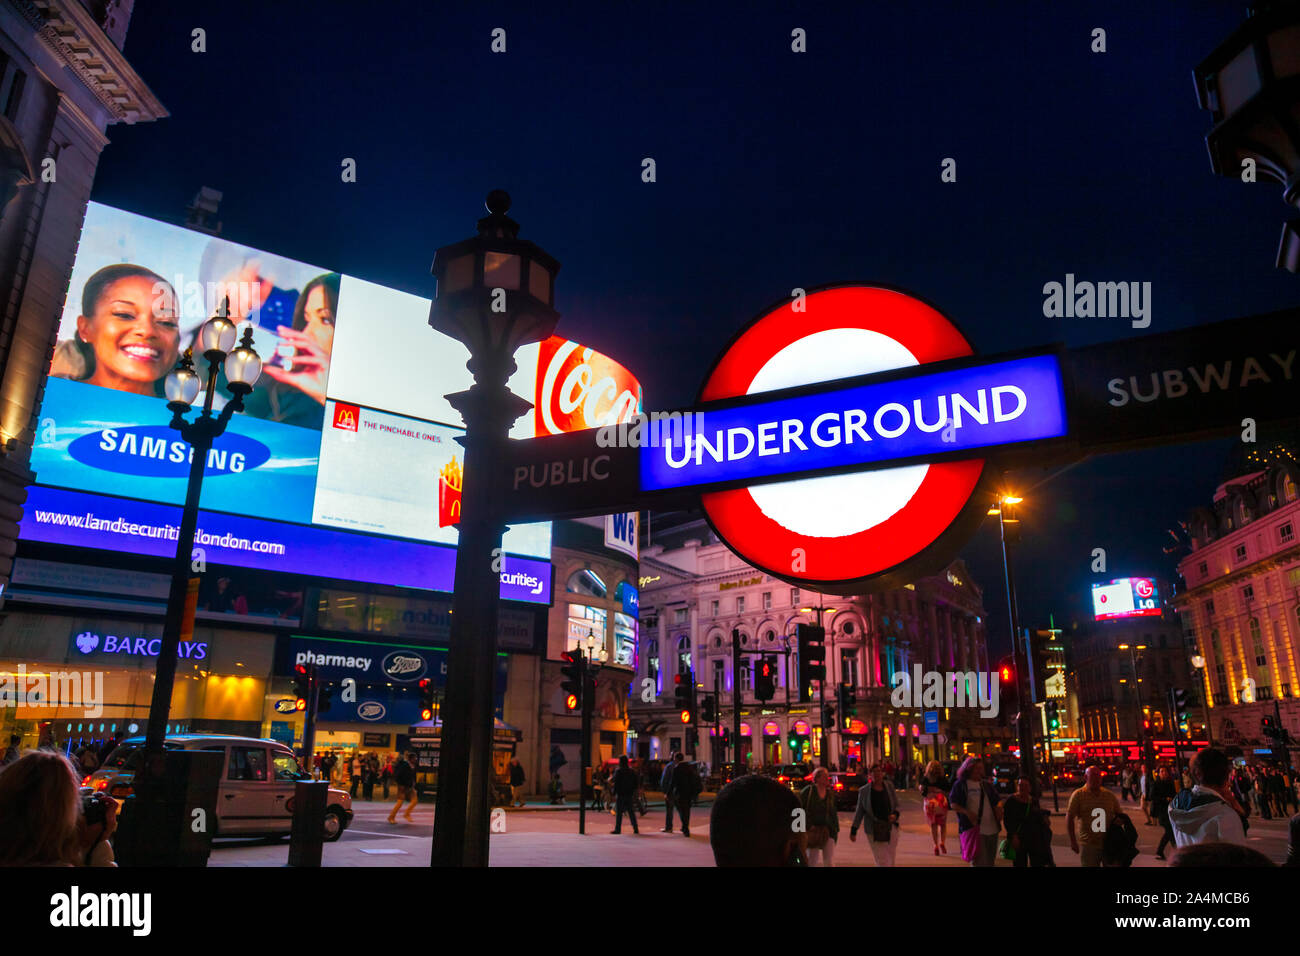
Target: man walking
[[1162, 794], [624, 785], [1095, 808], [404, 777], [516, 782], [666, 785], [686, 787]]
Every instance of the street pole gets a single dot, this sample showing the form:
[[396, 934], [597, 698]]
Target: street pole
[[740, 768], [1018, 646], [309, 719], [584, 747], [717, 715]]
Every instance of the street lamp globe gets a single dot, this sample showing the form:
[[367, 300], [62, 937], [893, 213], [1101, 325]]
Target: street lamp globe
[[182, 384], [243, 365], [217, 337], [1198, 662]]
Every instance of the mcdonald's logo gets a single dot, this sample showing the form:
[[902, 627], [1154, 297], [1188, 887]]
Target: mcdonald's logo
[[346, 416]]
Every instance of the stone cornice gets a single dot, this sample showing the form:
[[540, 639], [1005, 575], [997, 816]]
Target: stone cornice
[[71, 34]]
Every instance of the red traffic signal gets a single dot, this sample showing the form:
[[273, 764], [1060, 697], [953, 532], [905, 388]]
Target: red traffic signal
[[299, 704], [300, 668], [1006, 674], [686, 716], [571, 702], [426, 714]]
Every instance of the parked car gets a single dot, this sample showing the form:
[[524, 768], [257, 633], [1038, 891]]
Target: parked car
[[255, 791]]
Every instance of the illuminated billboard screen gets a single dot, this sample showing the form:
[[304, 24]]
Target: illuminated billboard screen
[[347, 433], [1125, 597]]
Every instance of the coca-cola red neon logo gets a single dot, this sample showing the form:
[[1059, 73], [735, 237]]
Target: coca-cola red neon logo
[[579, 388]]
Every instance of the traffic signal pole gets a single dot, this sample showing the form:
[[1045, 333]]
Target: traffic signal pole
[[584, 749], [1019, 646], [309, 719], [739, 756]]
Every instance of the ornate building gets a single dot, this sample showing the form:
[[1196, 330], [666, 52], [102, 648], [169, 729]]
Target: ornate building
[[63, 82], [1241, 604], [695, 591]]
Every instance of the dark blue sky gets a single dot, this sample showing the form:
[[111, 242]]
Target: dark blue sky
[[775, 170]]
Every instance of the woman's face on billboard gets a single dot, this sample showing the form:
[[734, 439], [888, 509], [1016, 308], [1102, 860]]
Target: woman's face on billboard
[[319, 317], [134, 333]]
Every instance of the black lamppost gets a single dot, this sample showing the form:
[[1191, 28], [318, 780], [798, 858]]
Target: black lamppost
[[242, 368], [1198, 662], [1009, 526], [1251, 86], [495, 293], [1143, 729]]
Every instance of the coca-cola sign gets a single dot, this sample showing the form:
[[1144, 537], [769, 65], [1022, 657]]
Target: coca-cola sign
[[579, 388]]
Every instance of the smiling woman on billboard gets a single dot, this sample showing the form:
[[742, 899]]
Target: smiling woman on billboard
[[128, 334]]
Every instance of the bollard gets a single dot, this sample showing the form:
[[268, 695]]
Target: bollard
[[307, 834]]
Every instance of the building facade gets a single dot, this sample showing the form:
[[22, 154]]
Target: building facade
[[63, 82], [1241, 603], [695, 592]]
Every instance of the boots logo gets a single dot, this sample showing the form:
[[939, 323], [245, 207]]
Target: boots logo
[[154, 451], [371, 710], [404, 667], [346, 416]]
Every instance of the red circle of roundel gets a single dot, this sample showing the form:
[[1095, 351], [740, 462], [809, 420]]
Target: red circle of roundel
[[943, 493]]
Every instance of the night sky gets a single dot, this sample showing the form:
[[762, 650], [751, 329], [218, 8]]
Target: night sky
[[775, 170]]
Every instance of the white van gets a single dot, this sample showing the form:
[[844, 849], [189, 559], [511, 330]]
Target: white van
[[255, 793]]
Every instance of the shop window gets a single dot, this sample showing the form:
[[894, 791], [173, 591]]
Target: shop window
[[587, 582], [624, 639]]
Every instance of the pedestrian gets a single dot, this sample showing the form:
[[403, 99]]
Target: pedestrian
[[386, 774], [934, 799], [1162, 794], [369, 773], [109, 746], [327, 766], [1293, 842], [1126, 783], [516, 782], [666, 785], [1145, 783], [624, 785], [1119, 843], [354, 771], [686, 787], [40, 811], [404, 777], [1277, 792], [1208, 812], [11, 754], [1095, 808], [979, 817], [878, 810], [1029, 832], [821, 820], [750, 824]]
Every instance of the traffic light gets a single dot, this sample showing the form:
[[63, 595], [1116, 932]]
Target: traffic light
[[1009, 687], [812, 658], [1268, 726], [323, 699], [426, 699], [1178, 699], [571, 702], [1146, 718], [709, 709], [765, 680], [685, 694], [1053, 716], [572, 670], [794, 740], [301, 687], [828, 716]]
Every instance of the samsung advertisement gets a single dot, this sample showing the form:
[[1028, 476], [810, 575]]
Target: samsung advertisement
[[347, 434]]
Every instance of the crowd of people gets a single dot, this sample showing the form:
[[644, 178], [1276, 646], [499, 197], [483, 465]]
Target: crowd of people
[[1205, 815]]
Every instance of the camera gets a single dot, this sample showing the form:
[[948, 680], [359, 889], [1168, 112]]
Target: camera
[[94, 808]]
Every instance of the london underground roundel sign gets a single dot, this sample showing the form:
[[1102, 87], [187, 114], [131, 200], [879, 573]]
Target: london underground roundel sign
[[836, 531]]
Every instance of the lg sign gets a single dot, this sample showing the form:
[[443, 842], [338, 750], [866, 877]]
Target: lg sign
[[849, 526]]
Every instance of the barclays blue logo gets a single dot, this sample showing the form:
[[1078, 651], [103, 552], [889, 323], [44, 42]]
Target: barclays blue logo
[[157, 451]]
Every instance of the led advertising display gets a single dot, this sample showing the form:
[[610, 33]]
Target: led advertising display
[[1125, 597], [347, 429]]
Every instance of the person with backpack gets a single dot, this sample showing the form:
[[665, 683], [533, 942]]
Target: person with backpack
[[686, 787], [404, 777]]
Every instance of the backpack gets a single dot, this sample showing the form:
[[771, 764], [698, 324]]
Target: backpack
[[686, 780], [1119, 846]]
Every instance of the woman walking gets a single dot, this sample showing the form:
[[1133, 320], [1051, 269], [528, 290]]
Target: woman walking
[[822, 820], [979, 818], [934, 798], [878, 808]]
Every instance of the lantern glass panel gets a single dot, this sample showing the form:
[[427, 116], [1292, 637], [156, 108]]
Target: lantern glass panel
[[539, 282], [459, 274], [500, 271]]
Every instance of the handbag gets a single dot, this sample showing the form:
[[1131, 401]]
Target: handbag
[[817, 837], [1006, 848]]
